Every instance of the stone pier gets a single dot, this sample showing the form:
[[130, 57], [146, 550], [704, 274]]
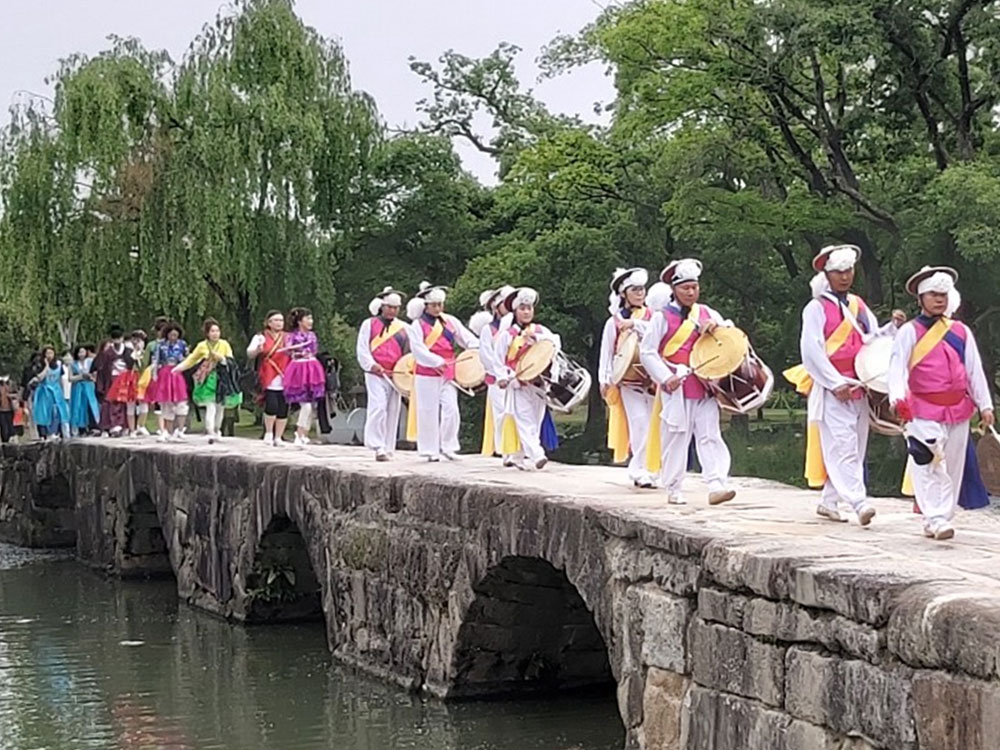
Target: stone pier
[[750, 625]]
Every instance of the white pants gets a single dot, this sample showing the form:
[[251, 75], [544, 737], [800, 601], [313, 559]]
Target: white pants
[[702, 422], [382, 417], [304, 422], [638, 407], [214, 413], [528, 408], [171, 410], [937, 484], [843, 434], [496, 399], [438, 418]]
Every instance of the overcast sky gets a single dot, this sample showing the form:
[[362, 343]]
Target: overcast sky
[[377, 35]]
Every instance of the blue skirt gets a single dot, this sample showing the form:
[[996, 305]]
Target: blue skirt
[[83, 407], [50, 409]]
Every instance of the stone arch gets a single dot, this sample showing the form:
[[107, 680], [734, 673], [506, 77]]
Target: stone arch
[[142, 549], [527, 630], [281, 583]]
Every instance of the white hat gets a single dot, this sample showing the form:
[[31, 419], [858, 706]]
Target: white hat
[[430, 293], [523, 296], [659, 296], [932, 279], [387, 297], [837, 258], [681, 271], [623, 279]]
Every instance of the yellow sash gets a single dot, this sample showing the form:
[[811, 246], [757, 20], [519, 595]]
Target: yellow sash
[[798, 376], [394, 327], [683, 332], [436, 332], [618, 436], [489, 434], [518, 341], [934, 336]]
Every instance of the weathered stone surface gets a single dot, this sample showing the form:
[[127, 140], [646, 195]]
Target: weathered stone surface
[[663, 707], [949, 628], [731, 661], [717, 721], [660, 622], [716, 605], [852, 697], [956, 713], [792, 624]]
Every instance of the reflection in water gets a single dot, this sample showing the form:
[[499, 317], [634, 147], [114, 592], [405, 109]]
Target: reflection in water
[[89, 663]]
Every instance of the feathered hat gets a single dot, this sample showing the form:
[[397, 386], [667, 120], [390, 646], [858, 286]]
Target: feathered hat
[[623, 279], [387, 296], [425, 293]]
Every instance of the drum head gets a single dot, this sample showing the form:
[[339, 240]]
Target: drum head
[[402, 373], [872, 364], [626, 355], [535, 361], [469, 370], [719, 354]]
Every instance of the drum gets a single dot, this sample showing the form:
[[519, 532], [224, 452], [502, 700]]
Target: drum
[[625, 366], [568, 384], [402, 373], [732, 371], [872, 366], [469, 370], [534, 362]]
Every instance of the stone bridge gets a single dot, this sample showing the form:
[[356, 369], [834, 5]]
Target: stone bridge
[[750, 625]]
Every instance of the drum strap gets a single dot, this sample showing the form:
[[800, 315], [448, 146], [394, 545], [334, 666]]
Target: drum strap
[[931, 338], [684, 331], [390, 330], [517, 349]]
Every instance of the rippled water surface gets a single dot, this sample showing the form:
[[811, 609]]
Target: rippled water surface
[[91, 663]]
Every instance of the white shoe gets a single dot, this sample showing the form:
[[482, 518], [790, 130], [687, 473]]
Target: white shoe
[[943, 532], [830, 515], [177, 437], [452, 456], [381, 456], [928, 531], [105, 434], [279, 443], [142, 432], [676, 500], [865, 514], [269, 440], [540, 463], [433, 459], [116, 431], [163, 438], [718, 497]]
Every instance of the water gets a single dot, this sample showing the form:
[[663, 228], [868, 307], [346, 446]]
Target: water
[[89, 663]]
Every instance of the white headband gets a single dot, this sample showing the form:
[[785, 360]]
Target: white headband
[[525, 296], [435, 295], [841, 259], [686, 270], [940, 282]]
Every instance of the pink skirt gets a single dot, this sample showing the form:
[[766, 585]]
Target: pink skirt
[[304, 381], [168, 388]]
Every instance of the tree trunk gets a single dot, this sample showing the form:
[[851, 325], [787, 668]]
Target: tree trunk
[[595, 404]]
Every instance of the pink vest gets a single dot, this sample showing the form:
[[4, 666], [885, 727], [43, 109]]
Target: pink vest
[[693, 386], [390, 350], [939, 384], [843, 358], [442, 347]]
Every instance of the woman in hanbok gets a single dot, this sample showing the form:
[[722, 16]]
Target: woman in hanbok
[[214, 378], [84, 411], [169, 384], [50, 409], [305, 378]]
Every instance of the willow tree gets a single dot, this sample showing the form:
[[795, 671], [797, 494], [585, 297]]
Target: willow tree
[[73, 181], [269, 147]]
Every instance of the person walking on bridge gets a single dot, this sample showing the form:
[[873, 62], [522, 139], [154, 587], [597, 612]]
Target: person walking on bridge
[[435, 338], [268, 348], [936, 384], [216, 385], [382, 341], [835, 325], [488, 324]]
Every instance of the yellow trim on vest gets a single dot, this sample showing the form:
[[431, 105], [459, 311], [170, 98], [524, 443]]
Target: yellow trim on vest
[[934, 336], [394, 327], [683, 332]]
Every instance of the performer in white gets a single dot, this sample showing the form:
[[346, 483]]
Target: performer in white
[[835, 325], [527, 404], [936, 384], [434, 340], [686, 408], [382, 340], [487, 324], [633, 396]]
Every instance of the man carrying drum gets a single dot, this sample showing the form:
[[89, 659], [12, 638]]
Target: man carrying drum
[[434, 339], [630, 400], [684, 406], [835, 325], [527, 402], [382, 340], [487, 324], [936, 384]]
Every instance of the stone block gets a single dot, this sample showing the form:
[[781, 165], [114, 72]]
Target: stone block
[[955, 713], [662, 709], [949, 628], [719, 721], [716, 605], [631, 687], [852, 697], [787, 622], [662, 621], [732, 661]]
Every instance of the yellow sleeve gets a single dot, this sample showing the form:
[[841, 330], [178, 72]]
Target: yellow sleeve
[[225, 350], [197, 354]]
